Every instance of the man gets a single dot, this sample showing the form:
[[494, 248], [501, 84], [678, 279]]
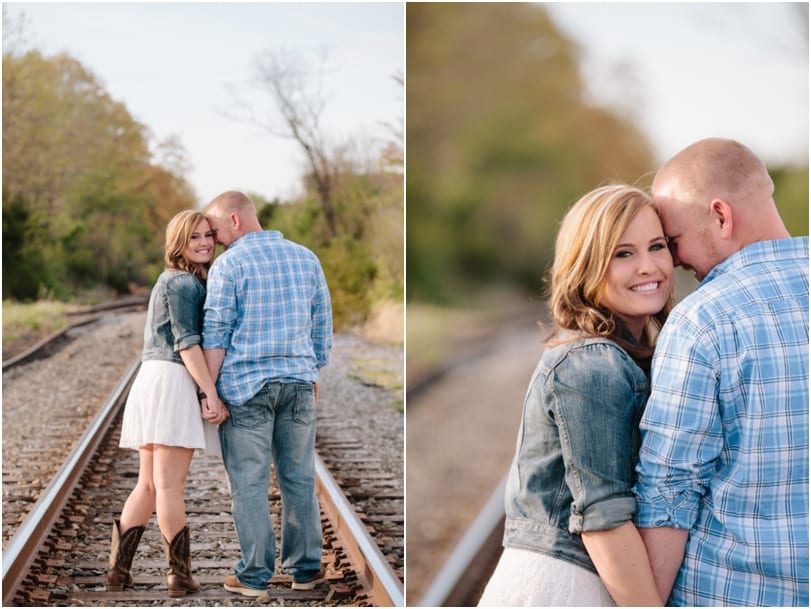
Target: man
[[267, 330], [722, 479]]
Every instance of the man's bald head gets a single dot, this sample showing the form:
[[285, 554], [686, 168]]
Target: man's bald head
[[231, 215], [714, 198], [717, 168]]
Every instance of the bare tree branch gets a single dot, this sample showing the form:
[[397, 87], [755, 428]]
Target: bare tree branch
[[299, 100]]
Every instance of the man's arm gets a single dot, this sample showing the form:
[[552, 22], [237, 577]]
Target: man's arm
[[216, 328], [321, 313], [214, 359], [665, 546]]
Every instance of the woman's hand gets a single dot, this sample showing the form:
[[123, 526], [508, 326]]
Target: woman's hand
[[213, 410]]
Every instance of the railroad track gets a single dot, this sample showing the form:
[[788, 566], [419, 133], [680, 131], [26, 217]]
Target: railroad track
[[59, 552], [464, 574], [80, 317], [455, 505]]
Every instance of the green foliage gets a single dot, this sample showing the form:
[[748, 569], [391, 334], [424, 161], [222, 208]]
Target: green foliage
[[44, 316], [500, 143], [364, 263], [791, 197], [24, 265], [83, 202]]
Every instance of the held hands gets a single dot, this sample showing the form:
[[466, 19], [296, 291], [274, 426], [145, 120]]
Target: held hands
[[213, 410]]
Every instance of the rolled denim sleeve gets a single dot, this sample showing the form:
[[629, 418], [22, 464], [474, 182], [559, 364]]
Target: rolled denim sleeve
[[682, 432], [322, 320], [184, 299], [220, 309], [596, 392]]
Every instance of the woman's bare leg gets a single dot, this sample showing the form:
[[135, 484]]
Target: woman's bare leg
[[170, 467], [140, 504]]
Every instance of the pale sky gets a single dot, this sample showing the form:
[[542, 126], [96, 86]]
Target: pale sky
[[683, 71], [693, 70], [171, 65]]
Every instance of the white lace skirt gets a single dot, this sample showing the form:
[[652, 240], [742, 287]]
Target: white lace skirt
[[162, 408], [530, 579]]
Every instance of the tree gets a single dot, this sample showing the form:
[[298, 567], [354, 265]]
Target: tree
[[79, 181], [295, 90], [500, 143], [352, 211]]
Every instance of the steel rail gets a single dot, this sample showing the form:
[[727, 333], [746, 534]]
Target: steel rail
[[127, 302], [93, 313], [33, 352], [20, 551], [372, 567], [452, 585]]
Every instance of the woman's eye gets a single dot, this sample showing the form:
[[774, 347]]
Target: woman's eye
[[624, 253], [657, 246]]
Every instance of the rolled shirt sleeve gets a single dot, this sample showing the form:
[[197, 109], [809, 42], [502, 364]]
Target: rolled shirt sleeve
[[220, 310], [682, 431]]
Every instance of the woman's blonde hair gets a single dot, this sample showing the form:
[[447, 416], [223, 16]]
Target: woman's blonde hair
[[585, 245], [178, 235]]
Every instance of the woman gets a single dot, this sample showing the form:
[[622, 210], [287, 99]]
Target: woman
[[569, 501], [162, 418]]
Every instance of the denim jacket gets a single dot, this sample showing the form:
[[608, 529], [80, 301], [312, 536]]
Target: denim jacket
[[175, 316], [577, 446]]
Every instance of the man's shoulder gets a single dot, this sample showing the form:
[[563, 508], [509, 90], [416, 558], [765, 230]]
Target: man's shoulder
[[273, 239], [261, 248], [295, 245]]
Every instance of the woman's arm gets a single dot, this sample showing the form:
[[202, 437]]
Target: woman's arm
[[214, 411], [665, 548], [622, 563]]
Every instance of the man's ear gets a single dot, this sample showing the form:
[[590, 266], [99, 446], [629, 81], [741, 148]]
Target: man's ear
[[721, 213], [235, 221]]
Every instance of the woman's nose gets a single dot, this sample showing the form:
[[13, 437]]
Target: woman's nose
[[646, 264]]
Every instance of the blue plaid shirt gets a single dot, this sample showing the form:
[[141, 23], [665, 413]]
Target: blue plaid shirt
[[269, 307], [725, 431]]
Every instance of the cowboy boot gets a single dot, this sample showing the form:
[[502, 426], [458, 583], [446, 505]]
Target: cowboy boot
[[178, 577], [122, 551]]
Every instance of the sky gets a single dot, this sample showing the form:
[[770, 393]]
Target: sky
[[681, 71], [174, 65], [692, 70]]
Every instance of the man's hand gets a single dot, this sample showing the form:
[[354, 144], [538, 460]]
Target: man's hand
[[213, 410]]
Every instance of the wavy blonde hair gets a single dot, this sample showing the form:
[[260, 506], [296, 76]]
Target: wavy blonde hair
[[178, 235], [585, 245]]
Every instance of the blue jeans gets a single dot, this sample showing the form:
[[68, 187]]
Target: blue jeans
[[278, 422]]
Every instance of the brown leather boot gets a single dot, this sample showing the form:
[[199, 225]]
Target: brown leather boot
[[178, 577], [122, 550]]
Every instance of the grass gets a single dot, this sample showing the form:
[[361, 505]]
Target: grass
[[379, 373], [435, 332], [21, 320]]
